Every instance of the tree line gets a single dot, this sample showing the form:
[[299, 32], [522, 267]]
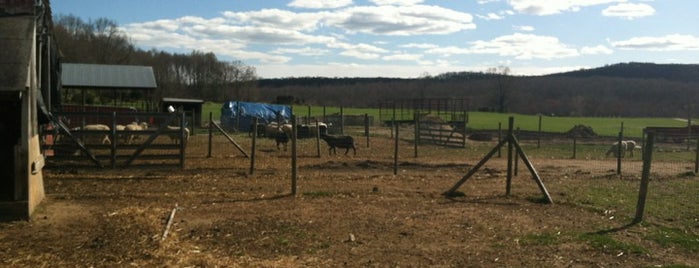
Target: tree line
[[624, 89], [194, 75]]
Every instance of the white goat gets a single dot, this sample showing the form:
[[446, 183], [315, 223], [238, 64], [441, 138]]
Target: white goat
[[176, 136]]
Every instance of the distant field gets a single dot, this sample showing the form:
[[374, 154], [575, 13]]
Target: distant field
[[605, 126]]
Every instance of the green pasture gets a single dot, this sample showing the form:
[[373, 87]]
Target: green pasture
[[603, 126]]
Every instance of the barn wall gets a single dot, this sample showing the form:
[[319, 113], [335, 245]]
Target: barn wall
[[21, 178]]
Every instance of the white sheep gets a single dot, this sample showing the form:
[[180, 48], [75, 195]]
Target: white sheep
[[614, 149], [281, 134], [134, 127], [317, 129], [176, 136], [95, 138], [631, 146]]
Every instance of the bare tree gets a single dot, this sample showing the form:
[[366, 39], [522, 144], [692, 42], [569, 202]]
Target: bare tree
[[501, 87]]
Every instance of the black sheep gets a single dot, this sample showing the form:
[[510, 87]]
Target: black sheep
[[281, 138], [346, 142]]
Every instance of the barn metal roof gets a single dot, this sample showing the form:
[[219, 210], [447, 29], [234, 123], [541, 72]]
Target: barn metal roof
[[182, 100], [100, 76], [16, 44]]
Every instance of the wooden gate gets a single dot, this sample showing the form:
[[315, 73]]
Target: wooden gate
[[70, 142], [440, 133]]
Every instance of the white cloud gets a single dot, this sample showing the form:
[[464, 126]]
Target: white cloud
[[359, 54], [320, 4], [491, 16], [306, 51], [548, 7], [422, 46], [629, 11], [600, 49], [276, 18], [396, 2], [524, 47], [401, 20], [524, 28], [673, 42], [402, 57]]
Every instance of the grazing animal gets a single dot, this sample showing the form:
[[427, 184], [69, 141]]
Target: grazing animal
[[631, 146], [92, 138], [345, 142], [134, 127], [280, 133], [175, 137], [281, 137], [317, 129], [614, 149]]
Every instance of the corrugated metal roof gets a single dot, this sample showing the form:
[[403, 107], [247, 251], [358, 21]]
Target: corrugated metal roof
[[182, 100], [78, 75], [16, 44]]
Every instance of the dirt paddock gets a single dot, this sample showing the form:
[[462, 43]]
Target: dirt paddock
[[348, 211]]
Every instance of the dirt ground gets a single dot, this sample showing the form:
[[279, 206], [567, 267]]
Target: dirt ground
[[348, 211]]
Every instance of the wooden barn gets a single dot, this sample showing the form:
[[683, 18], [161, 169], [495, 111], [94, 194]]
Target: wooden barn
[[27, 61]]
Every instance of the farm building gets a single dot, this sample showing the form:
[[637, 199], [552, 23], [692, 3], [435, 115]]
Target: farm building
[[192, 107], [97, 90], [27, 58], [241, 115]]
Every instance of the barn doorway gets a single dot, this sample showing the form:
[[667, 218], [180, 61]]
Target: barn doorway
[[10, 126]]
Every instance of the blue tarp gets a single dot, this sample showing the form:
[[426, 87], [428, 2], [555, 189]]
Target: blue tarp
[[241, 115]]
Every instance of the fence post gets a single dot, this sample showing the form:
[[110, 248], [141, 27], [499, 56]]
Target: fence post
[[575, 146], [619, 152], [342, 120], [417, 131], [366, 129], [538, 136], [645, 174], [696, 158], [113, 136], [293, 153], [510, 147], [463, 142], [499, 138], [317, 137], [254, 143], [211, 131], [395, 150], [516, 161]]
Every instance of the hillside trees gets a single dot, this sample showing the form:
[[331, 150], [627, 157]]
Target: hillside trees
[[195, 75]]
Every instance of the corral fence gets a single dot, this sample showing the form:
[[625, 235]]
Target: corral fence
[[437, 121], [675, 150], [335, 121], [66, 141]]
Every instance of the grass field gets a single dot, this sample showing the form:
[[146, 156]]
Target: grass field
[[604, 126]]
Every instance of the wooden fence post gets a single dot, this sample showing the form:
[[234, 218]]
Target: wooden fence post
[[211, 131], [510, 156], [619, 152], [645, 174], [366, 128], [538, 136], [294, 166], [416, 115], [395, 150], [254, 144]]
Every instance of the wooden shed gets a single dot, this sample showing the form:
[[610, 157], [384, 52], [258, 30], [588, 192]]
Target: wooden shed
[[191, 107], [25, 61]]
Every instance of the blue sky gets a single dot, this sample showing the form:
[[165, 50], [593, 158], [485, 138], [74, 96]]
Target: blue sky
[[408, 38]]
